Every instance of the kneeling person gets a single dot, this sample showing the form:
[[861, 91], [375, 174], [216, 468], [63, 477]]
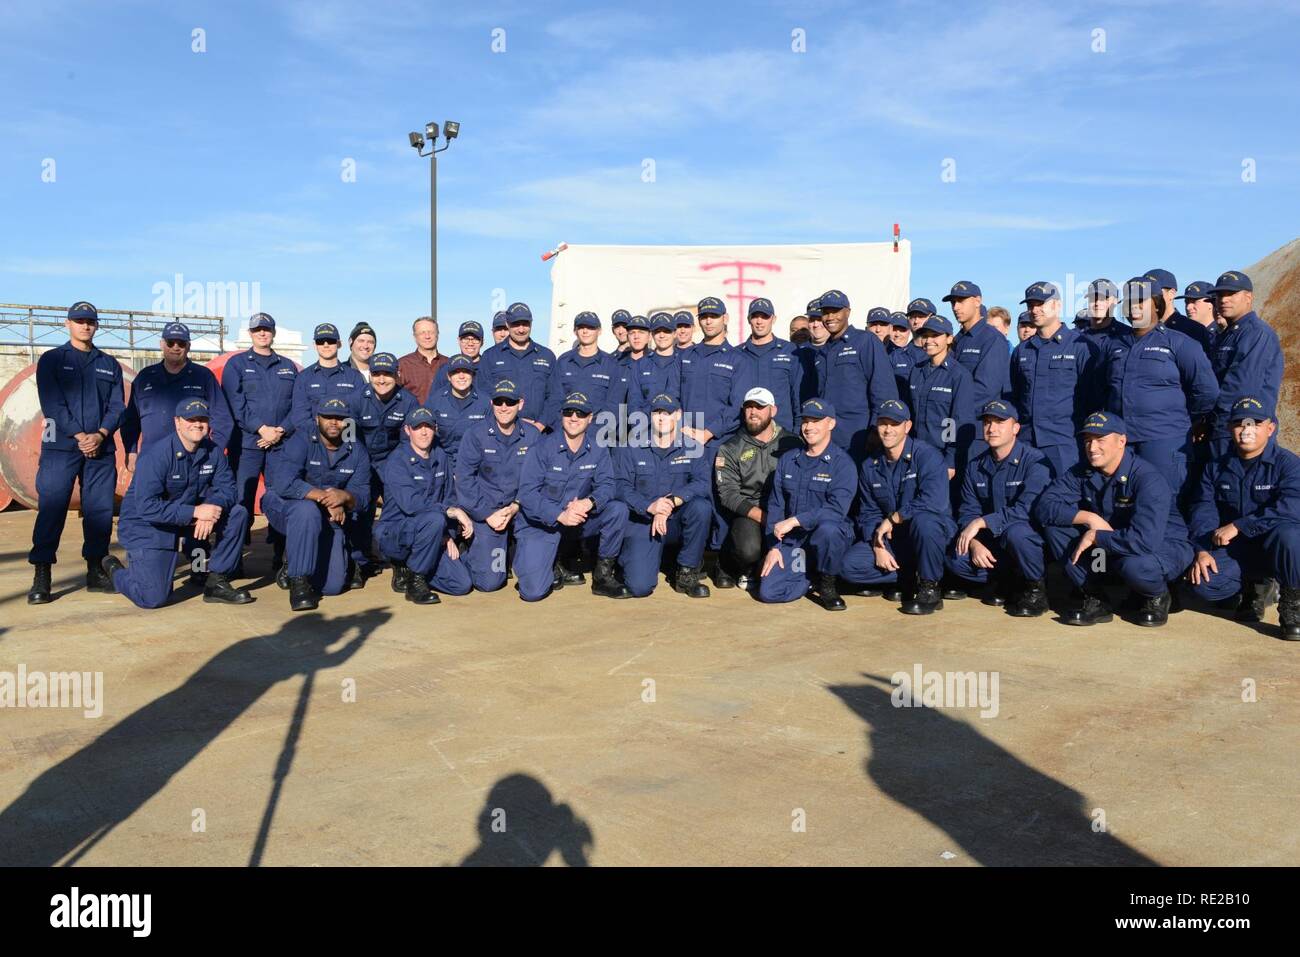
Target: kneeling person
[[182, 486], [808, 527]]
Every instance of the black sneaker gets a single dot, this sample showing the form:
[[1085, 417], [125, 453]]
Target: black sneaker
[[302, 597], [39, 593], [218, 590], [1089, 610], [96, 578]]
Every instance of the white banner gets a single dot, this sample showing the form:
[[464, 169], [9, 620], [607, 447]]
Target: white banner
[[648, 279]]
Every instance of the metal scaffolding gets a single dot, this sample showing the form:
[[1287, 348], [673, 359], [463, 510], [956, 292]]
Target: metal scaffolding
[[37, 328]]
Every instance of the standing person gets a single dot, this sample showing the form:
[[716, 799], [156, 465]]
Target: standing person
[[656, 372], [326, 378], [458, 406], [361, 346], [470, 340], [1000, 320], [1247, 356], [878, 325], [773, 364], [1024, 328], [684, 329], [492, 453], [183, 486], [940, 395], [979, 348], [1102, 327], [418, 369], [524, 362], [567, 494], [259, 385], [600, 377], [809, 353], [742, 476], [500, 327], [81, 396], [1166, 289], [904, 353], [855, 374], [799, 334], [618, 325], [380, 416], [1200, 310], [807, 512], [1052, 380]]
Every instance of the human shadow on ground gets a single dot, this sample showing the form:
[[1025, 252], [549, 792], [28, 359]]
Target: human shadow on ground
[[521, 826]]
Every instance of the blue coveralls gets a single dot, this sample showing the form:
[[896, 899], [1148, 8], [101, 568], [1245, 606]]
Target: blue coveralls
[[1101, 338], [1261, 496], [652, 375], [553, 475], [379, 422], [902, 359], [529, 369], [645, 473], [456, 415], [1204, 336], [79, 392], [602, 378], [487, 479], [1247, 362], [260, 392], [155, 394], [1003, 494], [1053, 386], [316, 383], [809, 357], [158, 509], [1148, 547], [819, 490], [413, 527], [314, 546], [713, 381], [916, 487], [775, 366], [941, 398], [982, 351], [855, 376], [1159, 385]]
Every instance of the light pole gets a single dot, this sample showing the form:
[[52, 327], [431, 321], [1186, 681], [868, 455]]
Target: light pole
[[450, 130]]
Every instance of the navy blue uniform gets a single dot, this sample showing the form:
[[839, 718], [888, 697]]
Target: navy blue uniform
[[775, 366], [79, 392], [413, 528], [855, 376], [818, 490], [155, 394], [982, 351], [260, 392], [943, 408], [457, 415], [1159, 385], [646, 473], [554, 475], [916, 487], [1261, 496], [601, 378], [1148, 546], [712, 377], [316, 548], [158, 509], [652, 375], [1247, 362], [1003, 494], [903, 359], [379, 422], [1204, 336], [529, 369], [1053, 384], [809, 356], [316, 383], [487, 479]]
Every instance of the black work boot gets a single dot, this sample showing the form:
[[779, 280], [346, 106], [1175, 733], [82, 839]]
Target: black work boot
[[604, 581], [302, 597], [1031, 602], [687, 581], [281, 571], [1254, 599], [107, 565], [953, 589], [893, 592], [845, 587], [218, 590], [1288, 613], [569, 576], [39, 593], [356, 577], [1154, 611], [998, 591], [401, 577], [418, 590], [557, 577], [721, 577], [828, 592], [96, 578], [927, 599], [1089, 609]]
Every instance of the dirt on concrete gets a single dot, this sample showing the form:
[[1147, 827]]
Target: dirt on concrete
[[661, 731]]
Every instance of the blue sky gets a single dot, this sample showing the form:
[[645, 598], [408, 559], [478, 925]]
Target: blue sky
[[225, 166]]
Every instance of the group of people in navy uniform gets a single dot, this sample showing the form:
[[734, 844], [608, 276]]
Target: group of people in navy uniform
[[914, 459]]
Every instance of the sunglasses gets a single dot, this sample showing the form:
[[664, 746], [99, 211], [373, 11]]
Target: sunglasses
[[504, 401], [174, 343], [327, 342], [576, 414]]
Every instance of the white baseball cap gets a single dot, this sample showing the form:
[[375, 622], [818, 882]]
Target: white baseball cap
[[761, 396]]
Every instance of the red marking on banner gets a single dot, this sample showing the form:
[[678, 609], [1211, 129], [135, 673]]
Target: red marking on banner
[[741, 296]]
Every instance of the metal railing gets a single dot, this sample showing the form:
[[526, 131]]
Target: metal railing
[[33, 327]]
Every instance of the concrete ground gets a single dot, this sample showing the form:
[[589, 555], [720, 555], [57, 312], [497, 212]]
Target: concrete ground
[[660, 731]]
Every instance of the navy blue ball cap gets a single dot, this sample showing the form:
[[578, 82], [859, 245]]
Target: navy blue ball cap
[[664, 402], [1201, 289], [192, 409], [459, 363], [577, 401], [1102, 289], [638, 322], [83, 311], [1102, 423], [176, 331], [817, 409], [899, 320], [1041, 292], [892, 409], [1141, 288], [506, 389], [833, 299], [711, 306], [261, 320], [500, 320], [471, 328], [1249, 407], [935, 324], [620, 317], [586, 320], [683, 318], [383, 362], [333, 409], [1025, 319], [999, 409], [326, 331], [962, 290], [921, 305], [519, 312], [1233, 282], [661, 322], [761, 307], [878, 314], [1163, 278], [420, 416], [814, 310]]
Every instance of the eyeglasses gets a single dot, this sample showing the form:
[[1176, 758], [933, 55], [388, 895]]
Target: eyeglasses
[[575, 414]]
